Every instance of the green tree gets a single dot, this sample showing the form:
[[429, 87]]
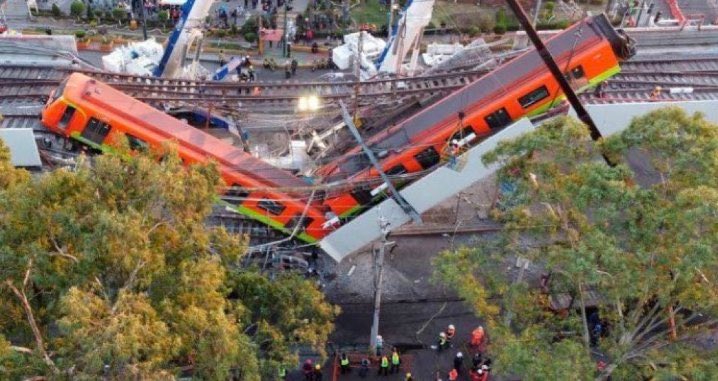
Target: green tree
[[56, 12], [645, 245], [77, 8], [111, 265], [119, 15], [163, 16]]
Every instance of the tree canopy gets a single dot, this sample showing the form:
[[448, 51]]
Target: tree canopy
[[109, 270], [639, 239]]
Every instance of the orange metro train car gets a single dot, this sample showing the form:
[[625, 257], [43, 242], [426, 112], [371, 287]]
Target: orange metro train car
[[589, 52], [96, 114]]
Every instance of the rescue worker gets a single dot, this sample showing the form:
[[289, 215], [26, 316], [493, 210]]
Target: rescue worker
[[408, 377], [441, 345], [477, 360], [252, 76], [477, 336], [287, 70], [265, 63], [451, 330], [395, 361], [453, 154], [364, 369], [318, 373], [344, 363], [379, 345], [453, 375], [222, 59], [458, 361], [307, 368], [384, 366], [295, 64]]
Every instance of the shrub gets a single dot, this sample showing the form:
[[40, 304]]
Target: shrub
[[500, 28], [119, 14], [250, 26], [80, 34], [250, 37], [93, 23], [474, 31], [163, 16], [221, 33], [90, 13], [233, 30], [550, 6], [501, 17], [56, 11], [486, 23], [77, 8]]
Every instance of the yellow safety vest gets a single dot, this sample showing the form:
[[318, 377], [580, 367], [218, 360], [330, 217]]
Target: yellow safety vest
[[395, 358], [345, 362], [384, 362]]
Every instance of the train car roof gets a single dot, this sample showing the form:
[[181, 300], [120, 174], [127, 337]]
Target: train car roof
[[107, 98], [578, 36]]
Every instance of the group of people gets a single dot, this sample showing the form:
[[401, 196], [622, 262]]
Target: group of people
[[480, 365], [312, 372]]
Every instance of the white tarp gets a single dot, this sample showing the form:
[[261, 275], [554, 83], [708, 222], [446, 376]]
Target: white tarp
[[343, 55], [139, 58]]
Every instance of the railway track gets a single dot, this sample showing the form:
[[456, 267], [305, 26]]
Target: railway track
[[280, 92], [689, 78]]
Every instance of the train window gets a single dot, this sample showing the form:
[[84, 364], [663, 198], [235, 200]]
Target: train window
[[498, 119], [235, 195], [428, 158], [66, 117], [136, 143], [272, 206], [577, 72], [362, 195], [396, 170], [464, 132], [96, 131], [534, 97], [60, 89], [306, 221]]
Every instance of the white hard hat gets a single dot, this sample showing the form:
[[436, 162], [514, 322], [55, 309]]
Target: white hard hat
[[378, 337], [451, 326], [454, 142], [459, 354], [442, 334]]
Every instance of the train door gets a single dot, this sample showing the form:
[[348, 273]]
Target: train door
[[96, 131]]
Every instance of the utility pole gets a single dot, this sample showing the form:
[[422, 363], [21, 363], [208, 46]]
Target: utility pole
[[260, 44], [378, 279], [391, 20], [357, 72], [144, 20], [555, 70], [286, 34]]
